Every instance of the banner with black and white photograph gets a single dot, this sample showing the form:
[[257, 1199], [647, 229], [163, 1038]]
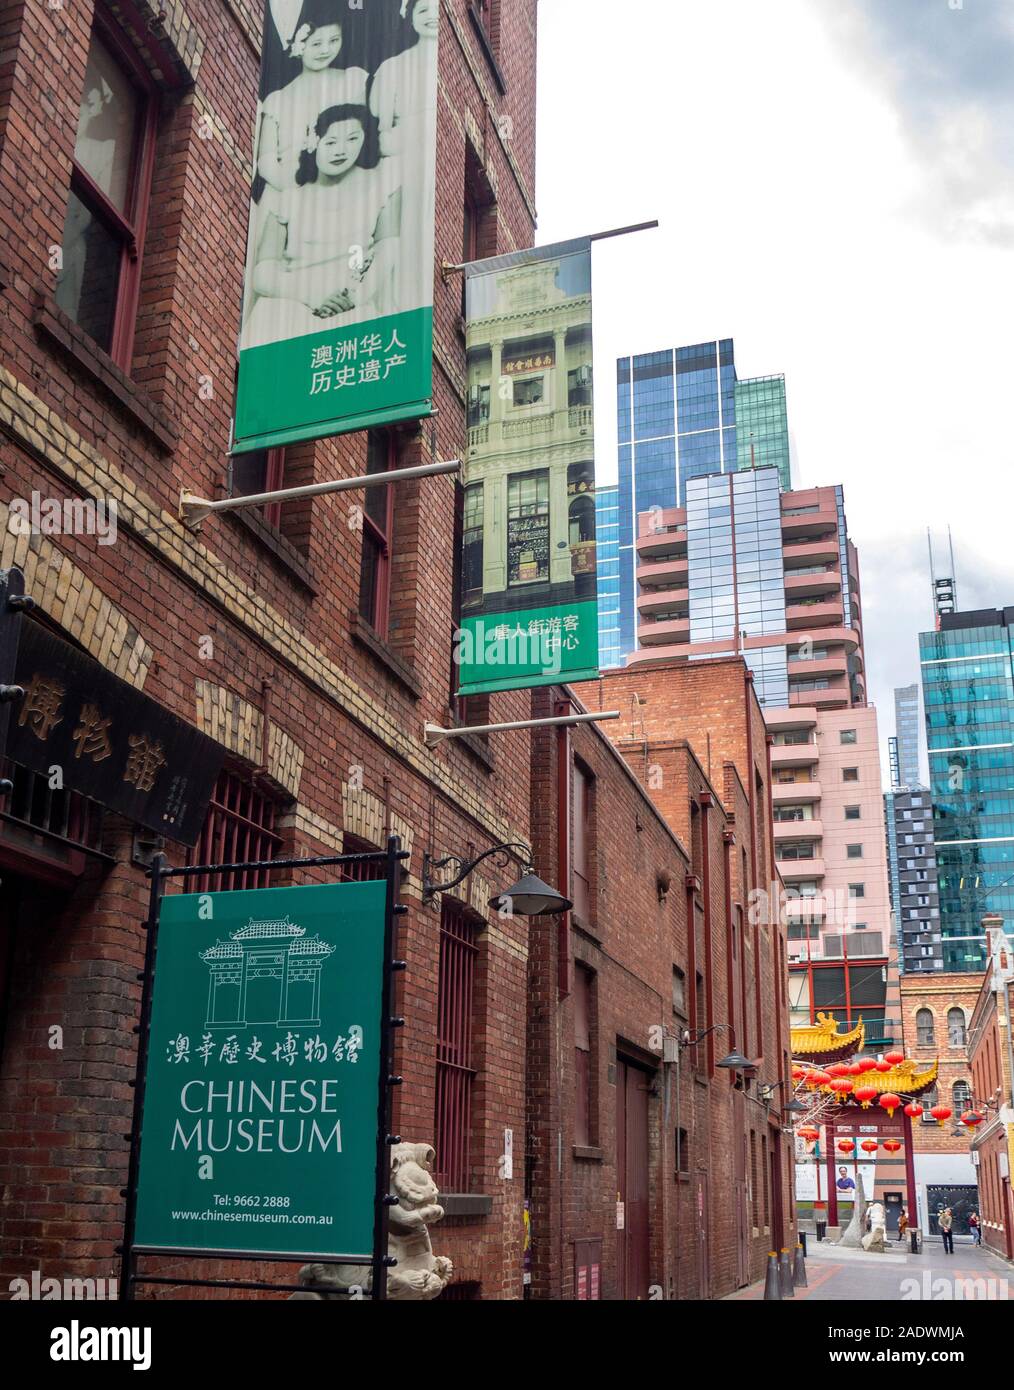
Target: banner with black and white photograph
[[337, 327], [529, 601]]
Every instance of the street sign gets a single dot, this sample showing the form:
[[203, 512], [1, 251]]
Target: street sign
[[259, 1130]]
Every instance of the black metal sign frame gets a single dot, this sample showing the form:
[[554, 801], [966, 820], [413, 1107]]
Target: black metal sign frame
[[380, 1261]]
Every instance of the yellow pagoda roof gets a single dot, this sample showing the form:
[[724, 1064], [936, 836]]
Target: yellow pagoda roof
[[907, 1078], [821, 1041]]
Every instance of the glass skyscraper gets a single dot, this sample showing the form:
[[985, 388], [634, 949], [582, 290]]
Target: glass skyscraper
[[677, 420], [607, 539], [968, 695], [906, 723], [762, 426]]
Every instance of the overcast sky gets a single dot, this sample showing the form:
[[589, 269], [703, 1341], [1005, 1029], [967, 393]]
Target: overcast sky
[[834, 181]]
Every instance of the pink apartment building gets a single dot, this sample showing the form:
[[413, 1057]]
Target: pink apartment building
[[745, 568]]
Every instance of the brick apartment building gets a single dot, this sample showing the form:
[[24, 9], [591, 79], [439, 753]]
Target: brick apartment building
[[693, 737], [936, 1011], [312, 658], [991, 1060]]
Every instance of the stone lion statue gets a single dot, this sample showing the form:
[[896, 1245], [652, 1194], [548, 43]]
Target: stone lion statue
[[419, 1274]]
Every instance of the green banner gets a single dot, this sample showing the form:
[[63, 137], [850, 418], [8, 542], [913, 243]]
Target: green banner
[[338, 299], [529, 605], [260, 1108]]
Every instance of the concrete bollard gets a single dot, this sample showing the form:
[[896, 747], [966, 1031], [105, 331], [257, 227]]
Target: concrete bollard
[[799, 1273], [772, 1280], [785, 1274]]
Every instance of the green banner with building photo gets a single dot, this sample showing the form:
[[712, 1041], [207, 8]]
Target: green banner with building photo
[[337, 327], [529, 605], [260, 1107]]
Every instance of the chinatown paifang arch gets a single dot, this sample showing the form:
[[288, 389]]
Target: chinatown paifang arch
[[860, 1101]]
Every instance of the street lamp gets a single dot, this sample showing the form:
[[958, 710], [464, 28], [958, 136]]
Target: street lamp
[[530, 896]]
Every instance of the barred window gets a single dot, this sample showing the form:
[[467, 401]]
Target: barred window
[[238, 829], [455, 1069]]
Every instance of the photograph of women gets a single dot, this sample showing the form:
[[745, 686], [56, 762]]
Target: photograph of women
[[342, 206]]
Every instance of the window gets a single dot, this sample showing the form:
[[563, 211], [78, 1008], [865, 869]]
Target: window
[[260, 471], [928, 1100], [925, 1030], [583, 981], [852, 812], [847, 735], [239, 828], [961, 1098], [366, 870], [579, 386], [470, 232], [378, 519], [682, 1151], [581, 874], [857, 890], [455, 1070], [110, 183], [528, 528], [854, 851], [679, 992], [529, 390], [850, 774], [472, 554], [956, 1033], [478, 405]]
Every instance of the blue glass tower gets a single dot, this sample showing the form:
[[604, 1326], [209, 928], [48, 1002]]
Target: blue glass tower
[[607, 540], [676, 421], [968, 695]]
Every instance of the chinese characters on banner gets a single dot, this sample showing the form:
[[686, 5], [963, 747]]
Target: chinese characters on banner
[[260, 1107], [529, 605], [97, 735], [337, 329]]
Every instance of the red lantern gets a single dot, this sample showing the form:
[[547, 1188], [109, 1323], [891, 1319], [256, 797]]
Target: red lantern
[[884, 1066], [809, 1133], [971, 1118], [798, 1072], [867, 1063], [941, 1113], [894, 1058], [846, 1145], [889, 1102], [913, 1110], [865, 1095], [891, 1145], [816, 1078], [869, 1146], [854, 1069], [842, 1085], [838, 1069]]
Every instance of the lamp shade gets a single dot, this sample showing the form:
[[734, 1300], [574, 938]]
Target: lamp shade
[[530, 897], [734, 1061]]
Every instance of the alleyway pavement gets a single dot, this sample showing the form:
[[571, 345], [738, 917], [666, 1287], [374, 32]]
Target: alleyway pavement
[[971, 1273]]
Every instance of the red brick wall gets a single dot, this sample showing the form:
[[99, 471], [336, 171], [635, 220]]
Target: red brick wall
[[62, 1154]]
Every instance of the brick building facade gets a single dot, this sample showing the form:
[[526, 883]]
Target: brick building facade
[[991, 1059], [252, 630], [693, 737], [936, 1011]]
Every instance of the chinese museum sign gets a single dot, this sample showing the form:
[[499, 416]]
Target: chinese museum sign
[[260, 1106], [337, 329], [529, 607]]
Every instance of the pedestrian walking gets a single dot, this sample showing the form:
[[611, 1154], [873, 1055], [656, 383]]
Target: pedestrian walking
[[975, 1228], [902, 1223], [946, 1222]]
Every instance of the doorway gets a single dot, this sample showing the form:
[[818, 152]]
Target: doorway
[[632, 1187], [892, 1210]]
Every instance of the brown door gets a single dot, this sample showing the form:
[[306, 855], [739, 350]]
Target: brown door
[[632, 1233]]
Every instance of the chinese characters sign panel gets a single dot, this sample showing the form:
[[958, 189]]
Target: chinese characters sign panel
[[337, 329], [260, 1107], [529, 607], [103, 738]]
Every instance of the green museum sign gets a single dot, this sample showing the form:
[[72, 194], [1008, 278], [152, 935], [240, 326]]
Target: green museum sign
[[259, 1129]]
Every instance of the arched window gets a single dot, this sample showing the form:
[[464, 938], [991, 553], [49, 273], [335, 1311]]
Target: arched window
[[925, 1031], [956, 1035], [961, 1098]]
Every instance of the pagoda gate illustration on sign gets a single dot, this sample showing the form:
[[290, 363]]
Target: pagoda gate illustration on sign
[[266, 973]]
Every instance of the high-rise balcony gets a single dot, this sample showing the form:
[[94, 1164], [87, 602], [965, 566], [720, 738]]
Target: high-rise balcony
[[544, 427], [798, 830], [654, 602], [807, 615], [818, 666], [672, 572], [799, 870], [795, 793], [802, 553], [835, 697], [667, 540], [827, 581], [784, 718], [810, 525], [794, 755], [672, 630]]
